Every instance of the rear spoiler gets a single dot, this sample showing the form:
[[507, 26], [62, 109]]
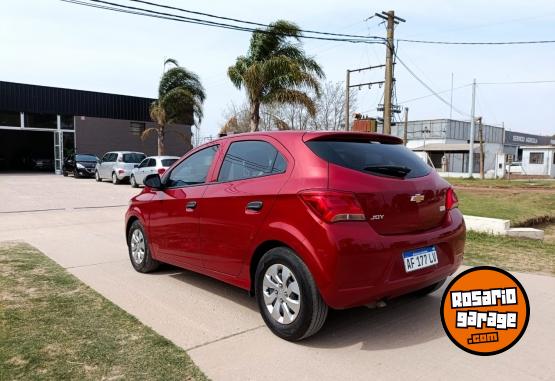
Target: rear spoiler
[[351, 136]]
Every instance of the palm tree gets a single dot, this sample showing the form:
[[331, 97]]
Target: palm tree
[[276, 70], [179, 90]]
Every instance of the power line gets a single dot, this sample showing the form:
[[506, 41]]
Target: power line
[[478, 43], [169, 16], [430, 89], [516, 82], [438, 92], [258, 24]]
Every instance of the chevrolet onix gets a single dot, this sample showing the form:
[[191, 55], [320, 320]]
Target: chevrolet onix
[[304, 221]]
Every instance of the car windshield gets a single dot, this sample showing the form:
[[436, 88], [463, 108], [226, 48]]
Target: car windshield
[[85, 158], [133, 157], [391, 160], [168, 162]]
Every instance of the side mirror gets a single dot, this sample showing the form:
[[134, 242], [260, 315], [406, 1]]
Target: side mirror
[[153, 181]]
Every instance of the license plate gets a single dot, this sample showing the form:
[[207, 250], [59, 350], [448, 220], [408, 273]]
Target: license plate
[[420, 258]]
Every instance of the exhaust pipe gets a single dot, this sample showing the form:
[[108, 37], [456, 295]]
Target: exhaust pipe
[[376, 304]]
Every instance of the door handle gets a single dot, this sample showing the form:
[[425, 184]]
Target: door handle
[[255, 206], [190, 206]]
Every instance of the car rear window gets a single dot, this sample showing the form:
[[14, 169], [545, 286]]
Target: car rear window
[[85, 158], [133, 157], [390, 160], [168, 162]]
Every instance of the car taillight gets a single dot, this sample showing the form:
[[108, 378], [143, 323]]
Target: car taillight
[[333, 206], [161, 171], [120, 171], [451, 200]]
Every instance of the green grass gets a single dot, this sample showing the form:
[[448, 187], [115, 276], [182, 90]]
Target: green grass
[[510, 253], [52, 326], [502, 183], [522, 208]]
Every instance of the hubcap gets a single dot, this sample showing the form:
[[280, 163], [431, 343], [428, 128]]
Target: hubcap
[[281, 294], [138, 246]]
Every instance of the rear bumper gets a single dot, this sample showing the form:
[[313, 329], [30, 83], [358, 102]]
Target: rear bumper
[[123, 174], [371, 268]]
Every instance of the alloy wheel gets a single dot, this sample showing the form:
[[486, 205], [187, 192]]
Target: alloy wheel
[[282, 296], [138, 246]]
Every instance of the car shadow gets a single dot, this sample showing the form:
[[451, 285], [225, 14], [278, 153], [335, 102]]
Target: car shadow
[[206, 283], [404, 322]]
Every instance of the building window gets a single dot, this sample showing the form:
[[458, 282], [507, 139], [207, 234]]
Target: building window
[[41, 120], [10, 119], [136, 128], [536, 157], [66, 122]]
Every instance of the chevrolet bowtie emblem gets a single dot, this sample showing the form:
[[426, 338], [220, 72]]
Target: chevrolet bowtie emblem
[[418, 198]]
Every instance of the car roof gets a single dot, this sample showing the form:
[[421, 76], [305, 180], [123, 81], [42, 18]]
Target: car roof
[[142, 153], [162, 157]]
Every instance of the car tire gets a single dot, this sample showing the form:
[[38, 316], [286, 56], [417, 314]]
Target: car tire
[[133, 182], [139, 252], [76, 174], [64, 173], [115, 179], [431, 288], [97, 176], [297, 291]]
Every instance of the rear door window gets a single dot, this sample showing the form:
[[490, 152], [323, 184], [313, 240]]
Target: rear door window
[[389, 160], [248, 159]]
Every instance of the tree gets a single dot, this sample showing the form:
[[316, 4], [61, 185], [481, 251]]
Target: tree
[[330, 113], [276, 70], [179, 90]]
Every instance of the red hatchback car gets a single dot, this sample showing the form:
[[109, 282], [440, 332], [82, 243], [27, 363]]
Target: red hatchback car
[[303, 220]]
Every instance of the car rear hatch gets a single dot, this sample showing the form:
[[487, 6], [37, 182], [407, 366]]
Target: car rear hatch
[[398, 191], [130, 160]]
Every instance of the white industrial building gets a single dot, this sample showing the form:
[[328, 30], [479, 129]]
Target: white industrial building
[[446, 144], [538, 161]]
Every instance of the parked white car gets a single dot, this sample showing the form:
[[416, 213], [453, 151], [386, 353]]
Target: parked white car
[[150, 165], [117, 165]]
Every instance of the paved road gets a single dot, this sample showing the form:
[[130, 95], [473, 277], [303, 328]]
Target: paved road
[[79, 224]]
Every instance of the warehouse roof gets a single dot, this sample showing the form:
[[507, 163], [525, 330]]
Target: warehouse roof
[[20, 97]]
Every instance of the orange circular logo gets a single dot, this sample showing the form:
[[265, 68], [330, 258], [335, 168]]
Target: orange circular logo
[[485, 310]]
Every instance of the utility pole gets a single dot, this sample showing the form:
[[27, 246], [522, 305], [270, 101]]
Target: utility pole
[[451, 102], [472, 122], [406, 126], [347, 91], [481, 136], [348, 86], [390, 46]]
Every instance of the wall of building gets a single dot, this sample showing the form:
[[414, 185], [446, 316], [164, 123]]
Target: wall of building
[[447, 129], [547, 168], [100, 135]]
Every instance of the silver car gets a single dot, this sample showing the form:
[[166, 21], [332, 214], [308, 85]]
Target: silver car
[[117, 165], [150, 165]]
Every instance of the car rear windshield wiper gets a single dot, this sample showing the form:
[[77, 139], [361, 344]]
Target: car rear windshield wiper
[[390, 170]]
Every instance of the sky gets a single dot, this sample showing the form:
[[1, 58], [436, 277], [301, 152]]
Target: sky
[[53, 43]]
